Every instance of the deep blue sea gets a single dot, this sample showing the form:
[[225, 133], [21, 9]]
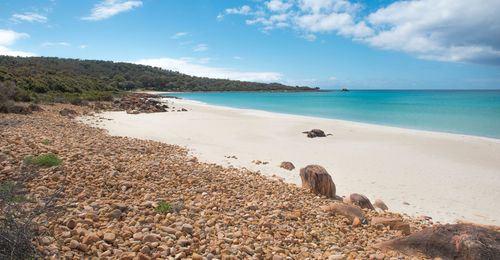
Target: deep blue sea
[[458, 111]]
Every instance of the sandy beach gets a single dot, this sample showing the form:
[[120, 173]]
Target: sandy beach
[[446, 176]]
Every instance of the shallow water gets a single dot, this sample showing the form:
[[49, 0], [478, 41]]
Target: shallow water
[[462, 112]]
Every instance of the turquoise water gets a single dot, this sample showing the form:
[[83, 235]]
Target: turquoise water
[[462, 112]]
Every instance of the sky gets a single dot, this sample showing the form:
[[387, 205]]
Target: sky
[[331, 44]]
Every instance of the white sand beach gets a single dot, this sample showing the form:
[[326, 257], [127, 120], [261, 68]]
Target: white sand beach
[[449, 177]]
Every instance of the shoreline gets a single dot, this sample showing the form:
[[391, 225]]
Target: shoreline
[[396, 165], [360, 124], [165, 96]]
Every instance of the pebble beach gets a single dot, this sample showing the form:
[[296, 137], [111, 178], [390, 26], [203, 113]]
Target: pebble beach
[[112, 187]]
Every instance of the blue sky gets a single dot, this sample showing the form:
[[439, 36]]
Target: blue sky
[[380, 44]]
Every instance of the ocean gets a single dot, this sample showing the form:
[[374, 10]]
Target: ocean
[[451, 111]]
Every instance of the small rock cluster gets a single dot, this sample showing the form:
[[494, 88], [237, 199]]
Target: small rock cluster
[[142, 103], [315, 133]]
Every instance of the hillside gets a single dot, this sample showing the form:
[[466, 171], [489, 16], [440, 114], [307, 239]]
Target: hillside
[[40, 75]]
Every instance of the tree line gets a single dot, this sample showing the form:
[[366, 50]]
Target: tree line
[[44, 76]]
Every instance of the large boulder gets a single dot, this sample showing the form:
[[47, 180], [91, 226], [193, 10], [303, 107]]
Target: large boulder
[[360, 200], [317, 179], [287, 166], [450, 241]]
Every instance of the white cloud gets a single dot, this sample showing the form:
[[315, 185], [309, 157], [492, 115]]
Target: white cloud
[[108, 8], [237, 57], [278, 5], [6, 51], [30, 17], [186, 66], [82, 46], [443, 30], [200, 47], [8, 37], [179, 35], [245, 10], [50, 44]]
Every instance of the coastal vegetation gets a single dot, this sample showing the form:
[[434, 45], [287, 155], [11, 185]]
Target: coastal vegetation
[[47, 160], [73, 80]]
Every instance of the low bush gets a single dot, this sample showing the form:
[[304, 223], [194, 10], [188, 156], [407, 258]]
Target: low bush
[[45, 161], [163, 207]]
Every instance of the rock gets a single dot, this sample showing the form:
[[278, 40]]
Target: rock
[[393, 223], [16, 109], [35, 107], [315, 133], [337, 257], [356, 222], [141, 256], [247, 250], [317, 179], [277, 257], [360, 200], [121, 206], [109, 237], [67, 112], [380, 204], [168, 230], [71, 223], [91, 238], [46, 241], [350, 211], [138, 236], [196, 256], [73, 244], [287, 166], [150, 238], [187, 228], [450, 241], [116, 213], [183, 242], [344, 90]]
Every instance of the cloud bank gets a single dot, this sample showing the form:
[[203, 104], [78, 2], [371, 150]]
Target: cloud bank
[[442, 30], [192, 67]]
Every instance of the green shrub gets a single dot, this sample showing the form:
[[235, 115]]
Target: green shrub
[[46, 142], [45, 161], [163, 207]]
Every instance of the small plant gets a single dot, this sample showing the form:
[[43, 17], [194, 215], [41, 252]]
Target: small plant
[[163, 207], [45, 161], [46, 142]]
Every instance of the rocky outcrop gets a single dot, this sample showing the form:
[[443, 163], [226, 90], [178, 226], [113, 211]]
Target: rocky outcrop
[[287, 166], [140, 103], [359, 200], [451, 241], [317, 179]]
